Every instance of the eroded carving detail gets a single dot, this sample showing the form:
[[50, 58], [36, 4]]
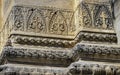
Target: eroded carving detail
[[50, 42], [95, 51], [92, 69], [16, 70], [36, 21], [96, 16], [87, 19], [18, 18], [58, 24], [44, 20], [103, 17]]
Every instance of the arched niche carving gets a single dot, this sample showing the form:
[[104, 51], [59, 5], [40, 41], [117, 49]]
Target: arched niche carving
[[58, 24], [36, 22], [102, 17]]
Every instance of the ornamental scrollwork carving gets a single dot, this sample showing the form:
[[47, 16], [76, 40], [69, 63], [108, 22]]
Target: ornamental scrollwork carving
[[58, 24]]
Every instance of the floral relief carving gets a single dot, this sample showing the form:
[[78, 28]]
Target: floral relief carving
[[45, 20], [36, 22], [102, 17], [95, 16], [58, 24]]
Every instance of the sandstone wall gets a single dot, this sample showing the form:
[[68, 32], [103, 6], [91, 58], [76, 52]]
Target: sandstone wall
[[65, 4]]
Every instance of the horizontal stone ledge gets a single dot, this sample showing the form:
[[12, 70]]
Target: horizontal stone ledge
[[30, 69], [66, 42], [80, 51], [97, 52], [74, 69], [37, 56], [93, 68]]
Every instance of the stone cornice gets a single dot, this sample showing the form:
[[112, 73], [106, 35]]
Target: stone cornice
[[93, 69], [96, 52], [92, 37], [37, 56], [73, 69], [80, 51]]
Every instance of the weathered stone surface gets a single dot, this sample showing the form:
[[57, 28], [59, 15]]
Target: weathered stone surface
[[117, 18], [59, 37]]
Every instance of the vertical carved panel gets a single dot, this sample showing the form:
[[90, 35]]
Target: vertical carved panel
[[36, 21], [102, 17], [70, 21], [58, 24], [18, 18], [87, 20]]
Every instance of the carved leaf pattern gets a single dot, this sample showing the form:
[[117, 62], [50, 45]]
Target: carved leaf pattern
[[36, 22], [58, 24], [102, 17]]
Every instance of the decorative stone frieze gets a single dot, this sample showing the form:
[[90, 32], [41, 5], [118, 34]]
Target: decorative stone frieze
[[90, 51], [95, 16], [39, 56], [43, 20], [55, 21], [96, 52], [26, 70], [93, 69], [92, 37], [50, 39]]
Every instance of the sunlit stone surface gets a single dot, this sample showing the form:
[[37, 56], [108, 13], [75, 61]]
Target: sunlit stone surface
[[117, 18], [59, 37]]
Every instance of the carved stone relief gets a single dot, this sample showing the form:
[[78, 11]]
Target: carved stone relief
[[36, 21], [18, 18], [65, 43], [43, 20], [103, 17], [87, 19], [58, 24], [96, 16], [60, 54]]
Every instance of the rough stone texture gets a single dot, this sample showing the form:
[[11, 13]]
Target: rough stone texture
[[59, 37]]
